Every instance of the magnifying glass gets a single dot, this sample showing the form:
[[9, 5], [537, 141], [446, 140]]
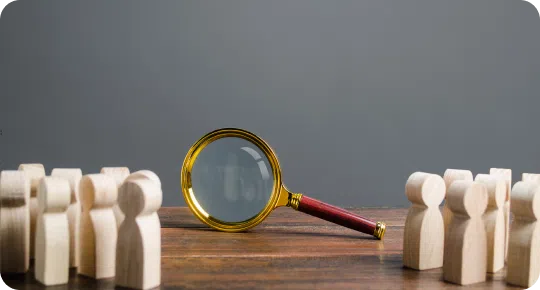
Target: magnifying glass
[[231, 181]]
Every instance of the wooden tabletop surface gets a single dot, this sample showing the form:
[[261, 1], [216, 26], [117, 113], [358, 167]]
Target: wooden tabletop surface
[[289, 250]]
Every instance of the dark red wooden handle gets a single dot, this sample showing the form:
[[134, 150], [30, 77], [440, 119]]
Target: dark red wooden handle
[[336, 215]]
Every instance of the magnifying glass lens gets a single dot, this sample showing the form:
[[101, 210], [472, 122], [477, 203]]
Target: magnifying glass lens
[[232, 179]]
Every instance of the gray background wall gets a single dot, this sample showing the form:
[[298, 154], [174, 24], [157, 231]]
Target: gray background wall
[[353, 95]]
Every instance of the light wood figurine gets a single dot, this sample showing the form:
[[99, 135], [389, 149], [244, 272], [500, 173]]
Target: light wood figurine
[[465, 247], [73, 176], [35, 172], [524, 246], [52, 232], [423, 241], [146, 174], [14, 222], [451, 175], [138, 257], [494, 221], [119, 174], [506, 175], [99, 233]]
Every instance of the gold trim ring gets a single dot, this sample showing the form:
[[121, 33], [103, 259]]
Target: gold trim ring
[[189, 195], [380, 229], [294, 200]]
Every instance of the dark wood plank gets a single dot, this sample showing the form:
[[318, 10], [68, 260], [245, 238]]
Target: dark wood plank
[[289, 250]]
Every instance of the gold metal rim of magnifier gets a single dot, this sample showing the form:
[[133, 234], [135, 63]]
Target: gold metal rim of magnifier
[[280, 195]]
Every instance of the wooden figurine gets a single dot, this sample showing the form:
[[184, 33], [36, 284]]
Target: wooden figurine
[[423, 241], [99, 233], [138, 256], [119, 174], [73, 176], [494, 221], [530, 177], [465, 247], [524, 243], [451, 175], [14, 222], [35, 172], [506, 175], [52, 232]]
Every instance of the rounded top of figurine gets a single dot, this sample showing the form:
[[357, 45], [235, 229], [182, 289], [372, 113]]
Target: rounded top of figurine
[[496, 189], [54, 194], [467, 198], [526, 200], [147, 174], [97, 191], [139, 197], [425, 189]]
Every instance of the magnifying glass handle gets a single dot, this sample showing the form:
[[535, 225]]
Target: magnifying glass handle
[[336, 215]]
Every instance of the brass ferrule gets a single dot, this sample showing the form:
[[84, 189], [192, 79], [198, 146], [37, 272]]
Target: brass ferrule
[[380, 229], [294, 200]]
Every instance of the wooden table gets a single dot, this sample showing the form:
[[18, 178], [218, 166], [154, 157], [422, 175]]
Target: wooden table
[[289, 250]]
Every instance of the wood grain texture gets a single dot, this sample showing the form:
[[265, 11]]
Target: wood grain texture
[[138, 251], [524, 246], [14, 222], [35, 172], [73, 176], [423, 239], [494, 220], [451, 175], [52, 232], [465, 247], [289, 250], [506, 175], [98, 226], [119, 174]]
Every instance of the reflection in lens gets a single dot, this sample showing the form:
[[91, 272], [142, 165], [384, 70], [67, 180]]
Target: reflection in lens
[[232, 179]]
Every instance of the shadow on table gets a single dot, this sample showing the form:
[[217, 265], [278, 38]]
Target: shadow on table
[[292, 231], [28, 282], [315, 233], [428, 279]]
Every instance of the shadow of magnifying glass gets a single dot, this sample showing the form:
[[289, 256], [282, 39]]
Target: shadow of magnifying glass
[[231, 180]]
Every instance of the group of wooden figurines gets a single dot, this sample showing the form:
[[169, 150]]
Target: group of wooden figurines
[[475, 233], [105, 225]]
